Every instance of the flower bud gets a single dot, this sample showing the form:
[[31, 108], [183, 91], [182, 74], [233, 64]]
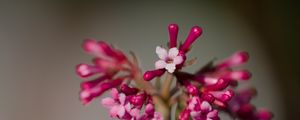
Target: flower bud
[[85, 70], [236, 59], [195, 32], [149, 75], [173, 32]]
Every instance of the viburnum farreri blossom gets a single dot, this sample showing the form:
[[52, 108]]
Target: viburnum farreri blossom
[[200, 95], [168, 60]]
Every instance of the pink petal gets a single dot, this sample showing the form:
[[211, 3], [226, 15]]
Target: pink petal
[[170, 67], [195, 114], [122, 98], [121, 111], [161, 52], [205, 106], [177, 60], [135, 112], [173, 52], [127, 107], [160, 64], [114, 93], [114, 111], [108, 102], [212, 114]]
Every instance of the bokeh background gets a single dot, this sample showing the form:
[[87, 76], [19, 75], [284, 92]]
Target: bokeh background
[[40, 43]]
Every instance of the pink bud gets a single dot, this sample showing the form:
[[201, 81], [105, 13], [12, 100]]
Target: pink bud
[[149, 75], [246, 111], [128, 90], [149, 109], [264, 114], [91, 46], [138, 100], [192, 90], [236, 59], [208, 97], [173, 32], [206, 80], [105, 64], [85, 70], [245, 95], [109, 51], [93, 83], [184, 115], [219, 85], [195, 32], [238, 75], [86, 95], [223, 96]]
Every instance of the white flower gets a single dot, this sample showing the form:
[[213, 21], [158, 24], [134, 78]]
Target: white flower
[[168, 60]]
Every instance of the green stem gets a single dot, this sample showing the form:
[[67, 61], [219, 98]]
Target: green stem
[[165, 90]]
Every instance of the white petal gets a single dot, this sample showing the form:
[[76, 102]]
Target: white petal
[[161, 52], [127, 107], [160, 64], [173, 52], [122, 98], [177, 60], [170, 67], [205, 106], [121, 111]]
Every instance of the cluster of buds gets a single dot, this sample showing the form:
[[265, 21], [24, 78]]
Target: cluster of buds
[[108, 62], [240, 106], [199, 96]]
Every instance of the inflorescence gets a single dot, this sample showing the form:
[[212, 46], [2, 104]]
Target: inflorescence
[[201, 95]]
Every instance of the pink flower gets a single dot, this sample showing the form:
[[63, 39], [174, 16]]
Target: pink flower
[[174, 58], [199, 110], [168, 60], [129, 107], [116, 104]]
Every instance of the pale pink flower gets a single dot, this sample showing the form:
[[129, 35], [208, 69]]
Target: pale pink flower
[[116, 104], [201, 110], [168, 59]]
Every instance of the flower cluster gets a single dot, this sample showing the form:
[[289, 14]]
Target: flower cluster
[[198, 96], [128, 104]]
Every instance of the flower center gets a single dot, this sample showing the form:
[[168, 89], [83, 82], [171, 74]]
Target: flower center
[[169, 60]]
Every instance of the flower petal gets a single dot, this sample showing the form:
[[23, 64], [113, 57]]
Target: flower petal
[[114, 111], [114, 93], [177, 60], [108, 102], [122, 98], [161, 52], [212, 114], [135, 112], [173, 52], [121, 111], [170, 67], [205, 106], [160, 64], [127, 107]]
